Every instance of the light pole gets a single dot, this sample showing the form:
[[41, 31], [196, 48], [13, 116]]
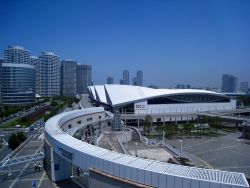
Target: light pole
[[126, 139], [125, 133], [136, 149], [181, 148], [163, 134]]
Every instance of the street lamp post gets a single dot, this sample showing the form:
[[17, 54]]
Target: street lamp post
[[126, 140], [136, 149], [181, 148], [126, 143], [163, 135]]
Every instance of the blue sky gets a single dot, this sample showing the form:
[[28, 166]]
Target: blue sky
[[172, 41]]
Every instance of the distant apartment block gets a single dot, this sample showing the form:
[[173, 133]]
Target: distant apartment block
[[138, 80], [126, 77], [16, 55], [17, 77], [1, 79], [121, 82], [84, 78], [35, 62], [229, 83], [183, 86], [49, 74], [244, 87], [110, 80], [68, 77], [153, 86]]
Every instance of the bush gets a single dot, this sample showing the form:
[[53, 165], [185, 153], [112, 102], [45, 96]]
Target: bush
[[54, 103], [16, 139]]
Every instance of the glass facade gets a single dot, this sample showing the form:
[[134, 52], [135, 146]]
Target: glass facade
[[1, 79], [35, 62], [68, 74], [189, 98], [16, 54], [116, 123], [49, 75], [18, 84], [229, 83], [84, 78]]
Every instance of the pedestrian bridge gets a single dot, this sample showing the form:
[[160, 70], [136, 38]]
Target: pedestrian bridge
[[21, 160], [63, 151]]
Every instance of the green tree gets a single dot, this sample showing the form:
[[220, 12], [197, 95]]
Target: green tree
[[16, 139], [188, 127], [147, 124], [53, 103], [216, 122]]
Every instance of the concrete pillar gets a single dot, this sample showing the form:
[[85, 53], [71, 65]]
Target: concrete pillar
[[52, 164], [138, 122]]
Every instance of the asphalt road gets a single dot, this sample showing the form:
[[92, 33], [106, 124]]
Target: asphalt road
[[24, 175]]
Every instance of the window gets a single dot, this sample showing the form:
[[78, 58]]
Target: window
[[79, 122], [57, 167], [89, 119]]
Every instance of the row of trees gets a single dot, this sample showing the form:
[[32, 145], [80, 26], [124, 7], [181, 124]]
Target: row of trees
[[57, 103], [186, 128], [8, 110], [245, 100], [16, 139]]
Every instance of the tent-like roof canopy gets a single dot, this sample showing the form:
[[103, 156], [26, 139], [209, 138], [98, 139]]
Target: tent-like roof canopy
[[116, 95]]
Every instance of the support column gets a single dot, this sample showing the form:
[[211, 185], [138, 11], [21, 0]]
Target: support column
[[138, 123], [52, 164]]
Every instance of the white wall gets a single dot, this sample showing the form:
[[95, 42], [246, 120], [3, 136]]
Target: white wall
[[144, 108]]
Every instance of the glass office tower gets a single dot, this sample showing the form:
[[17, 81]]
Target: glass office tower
[[18, 77], [84, 78]]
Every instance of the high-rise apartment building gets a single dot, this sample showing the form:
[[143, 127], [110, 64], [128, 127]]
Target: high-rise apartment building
[[16, 55], [84, 78], [110, 80], [126, 77], [121, 82], [49, 74], [1, 79], [35, 62], [229, 83], [138, 80], [244, 87], [68, 77], [18, 77]]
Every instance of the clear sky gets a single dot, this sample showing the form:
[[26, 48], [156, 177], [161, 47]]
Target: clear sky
[[172, 41]]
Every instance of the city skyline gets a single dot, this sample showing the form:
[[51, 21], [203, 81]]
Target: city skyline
[[172, 42]]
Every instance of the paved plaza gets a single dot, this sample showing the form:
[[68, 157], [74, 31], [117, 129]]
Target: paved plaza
[[149, 152]]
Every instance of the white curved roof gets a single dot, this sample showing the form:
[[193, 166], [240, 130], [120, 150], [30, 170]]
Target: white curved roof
[[121, 94]]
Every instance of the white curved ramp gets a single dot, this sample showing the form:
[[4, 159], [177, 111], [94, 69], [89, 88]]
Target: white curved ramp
[[143, 171]]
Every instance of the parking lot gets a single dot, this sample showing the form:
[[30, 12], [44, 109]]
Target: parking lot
[[225, 152]]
